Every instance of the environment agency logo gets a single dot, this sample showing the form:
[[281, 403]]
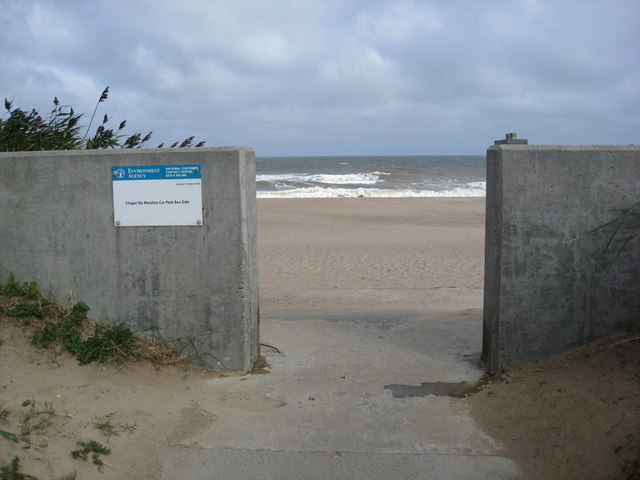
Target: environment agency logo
[[119, 173]]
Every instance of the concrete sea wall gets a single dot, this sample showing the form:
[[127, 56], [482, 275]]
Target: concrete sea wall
[[551, 283], [196, 283]]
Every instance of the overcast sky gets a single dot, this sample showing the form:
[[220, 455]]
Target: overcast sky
[[334, 77]]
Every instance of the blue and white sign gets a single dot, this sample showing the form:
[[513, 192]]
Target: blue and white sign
[[157, 195]]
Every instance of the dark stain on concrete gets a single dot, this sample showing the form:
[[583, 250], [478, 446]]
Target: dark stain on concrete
[[441, 389]]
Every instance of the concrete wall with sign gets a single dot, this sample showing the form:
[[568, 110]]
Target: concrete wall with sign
[[196, 283], [546, 283]]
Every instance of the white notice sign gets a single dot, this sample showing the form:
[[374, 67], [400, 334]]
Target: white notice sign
[[157, 195]]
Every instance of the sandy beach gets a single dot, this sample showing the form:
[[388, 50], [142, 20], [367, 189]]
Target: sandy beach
[[371, 253], [573, 416]]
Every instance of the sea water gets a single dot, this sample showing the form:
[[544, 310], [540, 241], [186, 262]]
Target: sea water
[[370, 176]]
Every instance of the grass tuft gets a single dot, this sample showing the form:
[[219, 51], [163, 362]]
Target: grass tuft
[[4, 415], [21, 130], [12, 472], [14, 289], [35, 420], [57, 326], [27, 310], [12, 437], [113, 342], [110, 429]]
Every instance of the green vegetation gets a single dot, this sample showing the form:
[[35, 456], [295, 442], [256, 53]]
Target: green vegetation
[[109, 429], [91, 447], [4, 415], [35, 420], [54, 325], [27, 310], [111, 342], [60, 130], [64, 330], [12, 472], [67, 329], [14, 289], [12, 437]]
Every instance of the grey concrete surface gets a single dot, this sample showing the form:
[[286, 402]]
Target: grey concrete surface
[[326, 410], [195, 283], [547, 284]]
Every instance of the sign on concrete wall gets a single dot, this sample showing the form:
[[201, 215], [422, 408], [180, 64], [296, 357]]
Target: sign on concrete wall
[[157, 195]]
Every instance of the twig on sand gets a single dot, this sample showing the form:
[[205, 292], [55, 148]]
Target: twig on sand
[[630, 339], [275, 349]]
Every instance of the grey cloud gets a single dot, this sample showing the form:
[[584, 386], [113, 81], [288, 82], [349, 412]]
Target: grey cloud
[[334, 76]]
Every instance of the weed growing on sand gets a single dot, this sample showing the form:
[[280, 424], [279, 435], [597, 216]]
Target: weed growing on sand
[[4, 420], [12, 437], [14, 289], [35, 419], [109, 429], [106, 343], [54, 325], [91, 447], [65, 330], [68, 476], [12, 472], [4, 415], [27, 310]]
